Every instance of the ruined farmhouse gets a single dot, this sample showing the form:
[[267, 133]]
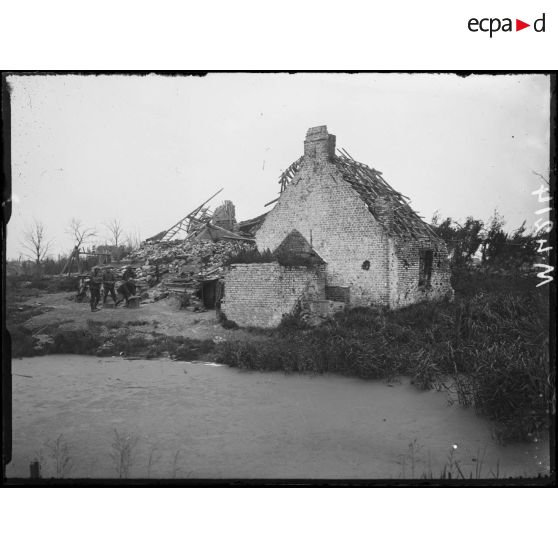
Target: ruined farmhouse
[[367, 244]]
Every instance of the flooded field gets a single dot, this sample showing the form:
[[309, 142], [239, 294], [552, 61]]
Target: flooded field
[[195, 420]]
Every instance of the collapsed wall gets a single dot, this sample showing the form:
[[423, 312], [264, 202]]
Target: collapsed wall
[[224, 216], [260, 294]]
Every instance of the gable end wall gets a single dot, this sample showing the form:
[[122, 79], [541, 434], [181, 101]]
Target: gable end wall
[[333, 218]]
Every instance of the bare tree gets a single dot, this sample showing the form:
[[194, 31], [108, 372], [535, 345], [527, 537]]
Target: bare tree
[[79, 232], [35, 242], [116, 232], [546, 180], [133, 240]]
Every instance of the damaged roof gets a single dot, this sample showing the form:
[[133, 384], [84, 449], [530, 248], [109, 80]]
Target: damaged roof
[[250, 226], [389, 207]]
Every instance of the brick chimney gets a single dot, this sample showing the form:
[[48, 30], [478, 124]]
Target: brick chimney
[[319, 144]]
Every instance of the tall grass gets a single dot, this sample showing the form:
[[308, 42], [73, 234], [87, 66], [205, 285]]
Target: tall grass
[[61, 455], [124, 453]]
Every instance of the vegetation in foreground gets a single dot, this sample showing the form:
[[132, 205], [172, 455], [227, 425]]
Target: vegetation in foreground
[[100, 340], [59, 458], [489, 348]]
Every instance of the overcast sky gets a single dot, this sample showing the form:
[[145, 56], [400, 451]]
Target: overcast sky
[[147, 150]]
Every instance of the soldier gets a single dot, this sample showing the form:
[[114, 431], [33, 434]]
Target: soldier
[[127, 276], [128, 287], [95, 280], [108, 284], [82, 288]]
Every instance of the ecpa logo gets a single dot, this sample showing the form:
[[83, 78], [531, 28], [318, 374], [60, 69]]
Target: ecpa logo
[[492, 25]]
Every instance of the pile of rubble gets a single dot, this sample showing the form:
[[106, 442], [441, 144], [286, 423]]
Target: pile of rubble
[[179, 266], [166, 266]]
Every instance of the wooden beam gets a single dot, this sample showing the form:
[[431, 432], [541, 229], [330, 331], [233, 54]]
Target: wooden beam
[[189, 216], [230, 234]]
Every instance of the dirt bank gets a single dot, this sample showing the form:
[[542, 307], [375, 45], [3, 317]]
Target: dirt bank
[[49, 312]]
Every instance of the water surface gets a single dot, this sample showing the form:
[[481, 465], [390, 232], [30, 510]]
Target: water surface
[[195, 420]]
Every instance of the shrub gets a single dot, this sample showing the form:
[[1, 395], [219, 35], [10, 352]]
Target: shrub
[[19, 315], [41, 283], [229, 324], [130, 345], [285, 258], [293, 322], [21, 342], [225, 322], [27, 282], [250, 255], [69, 283], [191, 349], [82, 342], [113, 324]]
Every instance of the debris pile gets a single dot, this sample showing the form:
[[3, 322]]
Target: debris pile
[[165, 265], [180, 266]]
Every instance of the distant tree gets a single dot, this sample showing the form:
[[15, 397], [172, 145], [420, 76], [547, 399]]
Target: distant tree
[[463, 240], [444, 229], [116, 232], [543, 178], [511, 250], [524, 247], [495, 239], [53, 266], [498, 248], [35, 243], [80, 234], [133, 240]]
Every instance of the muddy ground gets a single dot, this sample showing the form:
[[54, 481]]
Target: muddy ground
[[43, 312]]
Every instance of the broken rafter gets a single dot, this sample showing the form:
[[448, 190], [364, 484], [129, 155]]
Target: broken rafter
[[229, 234], [185, 224], [242, 238], [288, 174], [199, 221], [372, 188], [346, 154], [210, 227]]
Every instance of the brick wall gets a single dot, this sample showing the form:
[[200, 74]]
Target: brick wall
[[260, 294], [404, 272], [333, 218], [361, 258]]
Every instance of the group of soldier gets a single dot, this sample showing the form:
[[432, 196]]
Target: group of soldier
[[107, 280]]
